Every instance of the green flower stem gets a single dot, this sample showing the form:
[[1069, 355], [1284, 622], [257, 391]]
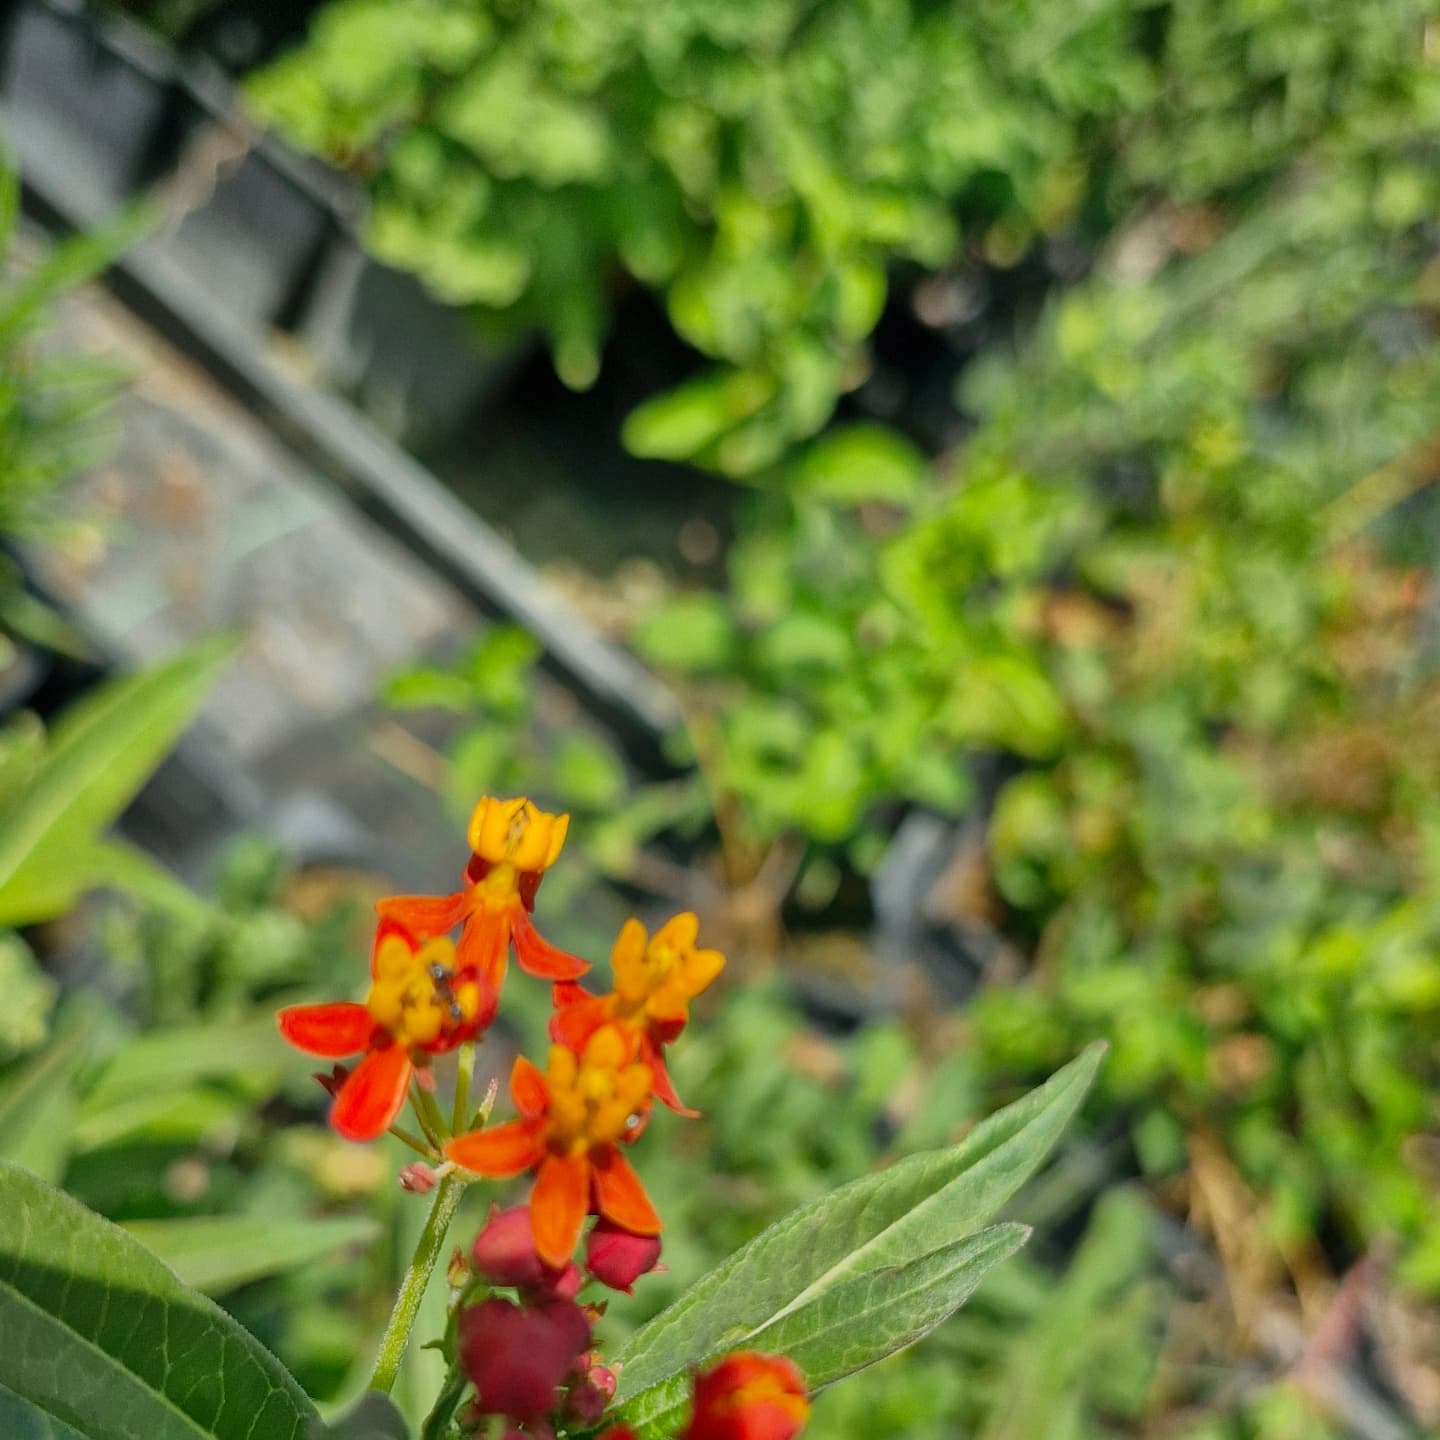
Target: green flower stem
[[406, 1137], [464, 1071], [417, 1277], [427, 1112]]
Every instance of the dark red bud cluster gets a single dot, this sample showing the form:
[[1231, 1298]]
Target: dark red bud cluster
[[504, 1254], [518, 1356], [617, 1258]]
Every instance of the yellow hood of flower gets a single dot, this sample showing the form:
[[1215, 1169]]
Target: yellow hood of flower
[[663, 975], [518, 833]]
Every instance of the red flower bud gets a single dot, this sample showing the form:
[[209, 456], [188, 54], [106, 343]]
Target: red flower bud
[[518, 1357], [504, 1251], [585, 1404], [617, 1258], [749, 1396], [418, 1179], [504, 1254], [590, 1395]]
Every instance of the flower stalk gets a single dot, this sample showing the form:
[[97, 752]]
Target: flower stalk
[[464, 1074], [518, 1340], [428, 1250]]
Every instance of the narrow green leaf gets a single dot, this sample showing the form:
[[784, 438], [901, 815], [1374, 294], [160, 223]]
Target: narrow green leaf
[[39, 1098], [68, 264], [188, 1116], [919, 1206], [220, 1253], [101, 1338], [37, 1101], [54, 876], [98, 756], [166, 1059], [124, 867], [852, 1325]]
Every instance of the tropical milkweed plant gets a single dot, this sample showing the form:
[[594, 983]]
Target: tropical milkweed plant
[[103, 1341]]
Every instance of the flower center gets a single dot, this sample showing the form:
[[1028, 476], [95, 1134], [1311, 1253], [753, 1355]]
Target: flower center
[[417, 994], [593, 1098], [764, 1390], [500, 881]]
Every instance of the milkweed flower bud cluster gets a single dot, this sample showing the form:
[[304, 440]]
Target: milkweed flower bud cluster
[[522, 1329]]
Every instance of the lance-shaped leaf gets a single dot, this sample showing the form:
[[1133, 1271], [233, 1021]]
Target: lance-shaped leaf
[[96, 758], [853, 1324], [219, 1253], [916, 1211], [101, 1341]]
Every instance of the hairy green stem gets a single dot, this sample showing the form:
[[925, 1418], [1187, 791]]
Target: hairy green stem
[[412, 1287]]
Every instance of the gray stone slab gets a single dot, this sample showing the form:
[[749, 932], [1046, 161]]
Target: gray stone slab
[[202, 522]]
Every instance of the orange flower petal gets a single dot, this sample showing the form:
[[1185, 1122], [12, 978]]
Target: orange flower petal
[[577, 1021], [342, 1028], [619, 1195], [500, 1150], [749, 1396], [567, 992], [483, 943], [426, 916], [528, 1088], [661, 1085], [558, 1205], [368, 1102], [538, 956]]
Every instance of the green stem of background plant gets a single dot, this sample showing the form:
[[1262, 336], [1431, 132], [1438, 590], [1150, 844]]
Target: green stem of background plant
[[437, 1422], [464, 1072], [412, 1287], [427, 1112]]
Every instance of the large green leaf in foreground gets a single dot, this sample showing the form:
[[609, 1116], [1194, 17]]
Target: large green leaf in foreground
[[857, 1274], [99, 1340]]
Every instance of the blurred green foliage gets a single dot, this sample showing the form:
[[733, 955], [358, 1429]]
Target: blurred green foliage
[[1071, 1340], [1173, 571], [1165, 623], [52, 407], [159, 1093], [767, 165], [61, 790], [761, 164], [55, 415]]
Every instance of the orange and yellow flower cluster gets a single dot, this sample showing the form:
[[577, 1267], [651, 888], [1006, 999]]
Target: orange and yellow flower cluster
[[429, 994], [530, 1358]]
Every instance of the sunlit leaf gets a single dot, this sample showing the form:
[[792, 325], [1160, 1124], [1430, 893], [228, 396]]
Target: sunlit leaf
[[897, 1247]]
